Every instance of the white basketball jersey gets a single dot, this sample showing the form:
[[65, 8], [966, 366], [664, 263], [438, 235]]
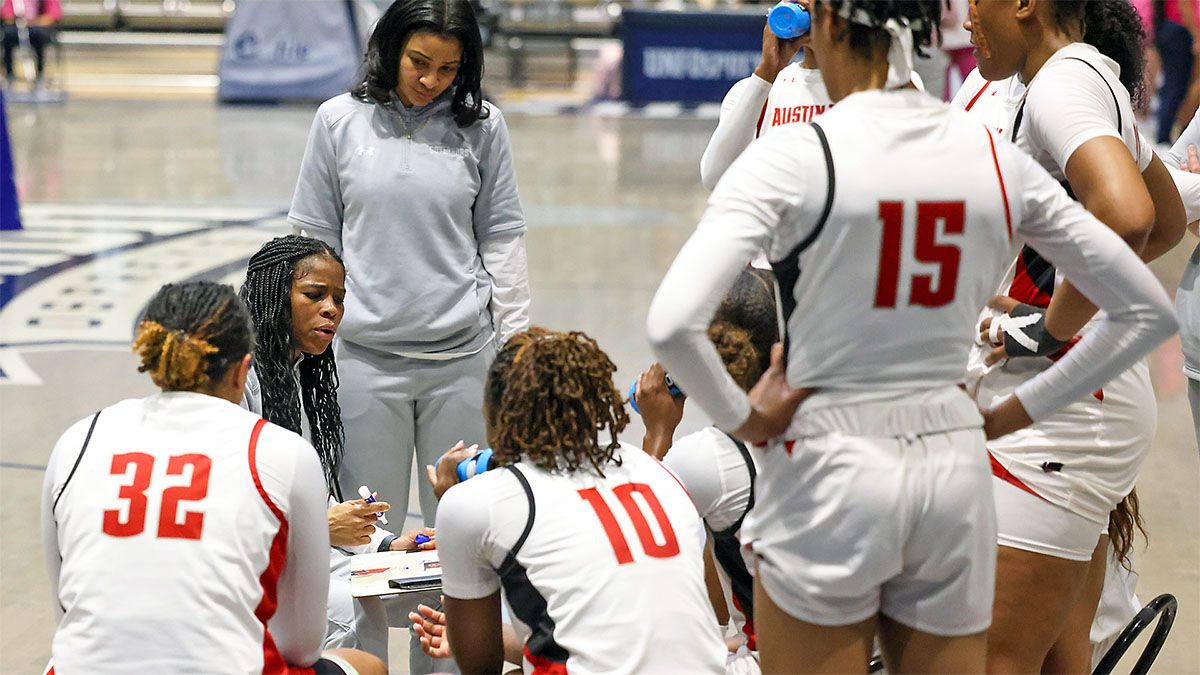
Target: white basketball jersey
[[993, 103], [609, 575], [173, 534], [883, 273], [797, 96]]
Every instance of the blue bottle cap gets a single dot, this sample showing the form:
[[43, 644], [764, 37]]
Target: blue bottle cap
[[788, 20], [632, 399]]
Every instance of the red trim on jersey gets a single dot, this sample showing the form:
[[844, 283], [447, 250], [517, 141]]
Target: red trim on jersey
[[761, 116], [986, 84], [1005, 475], [544, 666], [269, 580], [748, 627], [51, 671], [999, 176], [672, 475]]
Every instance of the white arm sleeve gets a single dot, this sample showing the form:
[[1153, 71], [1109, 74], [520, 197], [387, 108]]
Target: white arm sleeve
[[317, 207], [463, 517], [741, 218], [1138, 316], [504, 259], [298, 626], [738, 126], [1190, 136]]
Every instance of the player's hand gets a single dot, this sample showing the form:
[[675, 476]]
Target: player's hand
[[661, 412], [773, 402], [1191, 163], [1000, 303], [777, 53], [444, 475], [352, 523], [430, 627], [1005, 418], [408, 541]]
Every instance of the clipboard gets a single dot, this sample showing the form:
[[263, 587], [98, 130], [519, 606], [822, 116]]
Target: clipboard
[[394, 573]]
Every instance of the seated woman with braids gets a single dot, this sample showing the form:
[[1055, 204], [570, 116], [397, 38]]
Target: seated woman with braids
[[717, 469], [294, 288], [181, 533], [585, 536]]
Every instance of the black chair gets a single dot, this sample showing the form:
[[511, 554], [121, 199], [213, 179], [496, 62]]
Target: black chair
[[1164, 607]]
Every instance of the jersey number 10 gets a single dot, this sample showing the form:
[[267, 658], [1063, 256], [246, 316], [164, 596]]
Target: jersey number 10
[[667, 549], [135, 494], [926, 249]]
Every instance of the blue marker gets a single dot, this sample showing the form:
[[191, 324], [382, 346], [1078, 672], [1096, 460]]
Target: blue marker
[[421, 539], [365, 493]]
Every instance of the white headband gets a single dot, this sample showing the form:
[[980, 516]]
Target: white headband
[[900, 49]]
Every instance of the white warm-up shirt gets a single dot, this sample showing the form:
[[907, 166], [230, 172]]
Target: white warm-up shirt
[[754, 106], [609, 579], [927, 210], [1187, 298], [191, 537]]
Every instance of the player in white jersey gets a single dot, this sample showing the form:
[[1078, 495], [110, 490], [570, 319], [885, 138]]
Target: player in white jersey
[[779, 92], [181, 532], [1057, 482], [595, 544], [717, 469], [889, 221], [1186, 155]]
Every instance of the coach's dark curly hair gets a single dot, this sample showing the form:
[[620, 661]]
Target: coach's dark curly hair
[[548, 397], [922, 16], [1122, 522], [267, 292], [449, 18], [746, 326], [189, 335], [1115, 29]]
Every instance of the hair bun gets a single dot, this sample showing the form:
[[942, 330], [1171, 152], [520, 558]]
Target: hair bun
[[175, 359]]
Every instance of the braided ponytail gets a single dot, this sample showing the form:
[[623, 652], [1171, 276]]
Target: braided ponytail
[[190, 334]]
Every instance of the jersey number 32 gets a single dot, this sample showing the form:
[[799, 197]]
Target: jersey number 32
[[134, 493]]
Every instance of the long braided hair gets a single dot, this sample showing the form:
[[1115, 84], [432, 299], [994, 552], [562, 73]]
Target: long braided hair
[[548, 397], [267, 292], [190, 334]]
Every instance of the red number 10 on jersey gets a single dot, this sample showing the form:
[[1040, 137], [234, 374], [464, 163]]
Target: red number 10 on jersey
[[135, 493], [667, 549]]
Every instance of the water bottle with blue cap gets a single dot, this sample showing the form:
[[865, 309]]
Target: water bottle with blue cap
[[672, 388], [789, 20]]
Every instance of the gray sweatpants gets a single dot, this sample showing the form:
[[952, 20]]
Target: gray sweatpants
[[1194, 398], [394, 408]]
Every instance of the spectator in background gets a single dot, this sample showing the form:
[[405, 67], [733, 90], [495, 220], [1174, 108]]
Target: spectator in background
[[40, 17], [956, 42], [1177, 39]]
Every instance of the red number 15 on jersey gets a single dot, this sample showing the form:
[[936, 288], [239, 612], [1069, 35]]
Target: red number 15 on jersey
[[169, 526], [926, 291]]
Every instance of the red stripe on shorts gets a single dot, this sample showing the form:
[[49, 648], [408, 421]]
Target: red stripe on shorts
[[1005, 475]]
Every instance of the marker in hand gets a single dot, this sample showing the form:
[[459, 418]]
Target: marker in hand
[[421, 539], [365, 493]]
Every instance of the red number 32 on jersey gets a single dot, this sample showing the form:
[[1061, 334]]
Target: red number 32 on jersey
[[169, 525]]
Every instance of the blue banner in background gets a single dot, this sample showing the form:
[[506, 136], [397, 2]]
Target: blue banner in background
[[10, 211], [289, 49], [691, 57]]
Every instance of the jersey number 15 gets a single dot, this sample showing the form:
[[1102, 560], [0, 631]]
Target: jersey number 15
[[925, 291], [135, 493]]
